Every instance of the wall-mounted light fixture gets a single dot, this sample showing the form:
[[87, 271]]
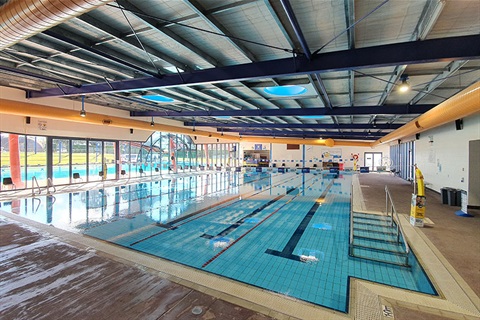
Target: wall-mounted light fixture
[[83, 114], [131, 131]]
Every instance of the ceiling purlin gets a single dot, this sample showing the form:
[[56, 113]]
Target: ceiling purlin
[[247, 99], [430, 13], [82, 43], [215, 24], [26, 73], [130, 41], [33, 71], [96, 63], [155, 25], [60, 66], [452, 67]]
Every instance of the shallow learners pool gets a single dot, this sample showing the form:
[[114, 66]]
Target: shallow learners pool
[[287, 233]]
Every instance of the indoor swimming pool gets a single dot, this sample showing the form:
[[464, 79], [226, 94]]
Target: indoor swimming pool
[[284, 232]]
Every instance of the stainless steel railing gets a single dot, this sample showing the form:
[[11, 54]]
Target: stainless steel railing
[[351, 220], [35, 186], [50, 185], [390, 210]]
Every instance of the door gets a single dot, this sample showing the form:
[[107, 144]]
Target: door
[[373, 160]]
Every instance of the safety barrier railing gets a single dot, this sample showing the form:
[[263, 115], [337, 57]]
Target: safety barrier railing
[[35, 186], [390, 210]]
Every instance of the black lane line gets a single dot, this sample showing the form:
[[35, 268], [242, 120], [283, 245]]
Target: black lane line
[[237, 224], [254, 227], [170, 226], [287, 251]]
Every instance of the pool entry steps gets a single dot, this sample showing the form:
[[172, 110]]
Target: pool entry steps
[[376, 238]]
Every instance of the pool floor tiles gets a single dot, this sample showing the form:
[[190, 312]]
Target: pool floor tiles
[[315, 268]]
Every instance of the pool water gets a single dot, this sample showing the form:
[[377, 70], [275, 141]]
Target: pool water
[[287, 233]]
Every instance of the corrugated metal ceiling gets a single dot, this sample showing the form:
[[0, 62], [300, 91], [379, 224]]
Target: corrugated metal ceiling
[[151, 39]]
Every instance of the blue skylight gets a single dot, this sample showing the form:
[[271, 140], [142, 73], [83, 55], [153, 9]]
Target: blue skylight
[[286, 91], [313, 117], [158, 98]]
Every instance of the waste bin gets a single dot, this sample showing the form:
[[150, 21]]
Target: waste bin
[[444, 192], [454, 197], [458, 201]]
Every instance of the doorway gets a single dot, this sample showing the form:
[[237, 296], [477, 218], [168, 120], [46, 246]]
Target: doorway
[[372, 160]]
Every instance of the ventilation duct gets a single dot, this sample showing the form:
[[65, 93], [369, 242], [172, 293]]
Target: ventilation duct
[[21, 19], [461, 105]]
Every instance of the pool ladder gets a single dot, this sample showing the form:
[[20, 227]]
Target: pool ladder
[[379, 237], [35, 186]]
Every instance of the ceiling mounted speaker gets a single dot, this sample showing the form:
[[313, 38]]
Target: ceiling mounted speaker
[[459, 124]]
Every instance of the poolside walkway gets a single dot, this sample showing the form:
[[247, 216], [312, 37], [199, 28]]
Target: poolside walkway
[[48, 273]]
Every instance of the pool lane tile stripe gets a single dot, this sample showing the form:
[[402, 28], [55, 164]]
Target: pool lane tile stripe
[[250, 230], [172, 225], [237, 224], [287, 251]]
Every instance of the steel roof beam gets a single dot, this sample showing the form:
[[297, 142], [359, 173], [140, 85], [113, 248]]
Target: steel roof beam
[[343, 111], [434, 50], [296, 28], [358, 135], [221, 126]]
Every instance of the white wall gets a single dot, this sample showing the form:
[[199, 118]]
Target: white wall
[[313, 154], [444, 162]]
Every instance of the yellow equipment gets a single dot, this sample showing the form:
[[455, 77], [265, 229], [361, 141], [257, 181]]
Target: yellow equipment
[[417, 209]]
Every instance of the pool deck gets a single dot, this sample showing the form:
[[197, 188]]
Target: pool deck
[[50, 273]]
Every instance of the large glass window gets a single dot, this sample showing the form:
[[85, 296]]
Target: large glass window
[[60, 161], [66, 160], [109, 167], [79, 161], [95, 160]]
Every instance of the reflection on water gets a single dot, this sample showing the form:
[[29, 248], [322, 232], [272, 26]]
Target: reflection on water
[[160, 200]]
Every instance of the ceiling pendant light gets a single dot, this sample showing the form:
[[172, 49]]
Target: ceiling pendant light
[[83, 114], [152, 123], [405, 86]]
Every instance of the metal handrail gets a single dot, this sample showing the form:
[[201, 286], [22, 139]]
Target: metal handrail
[[35, 182], [351, 220], [50, 184], [388, 196], [38, 205]]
